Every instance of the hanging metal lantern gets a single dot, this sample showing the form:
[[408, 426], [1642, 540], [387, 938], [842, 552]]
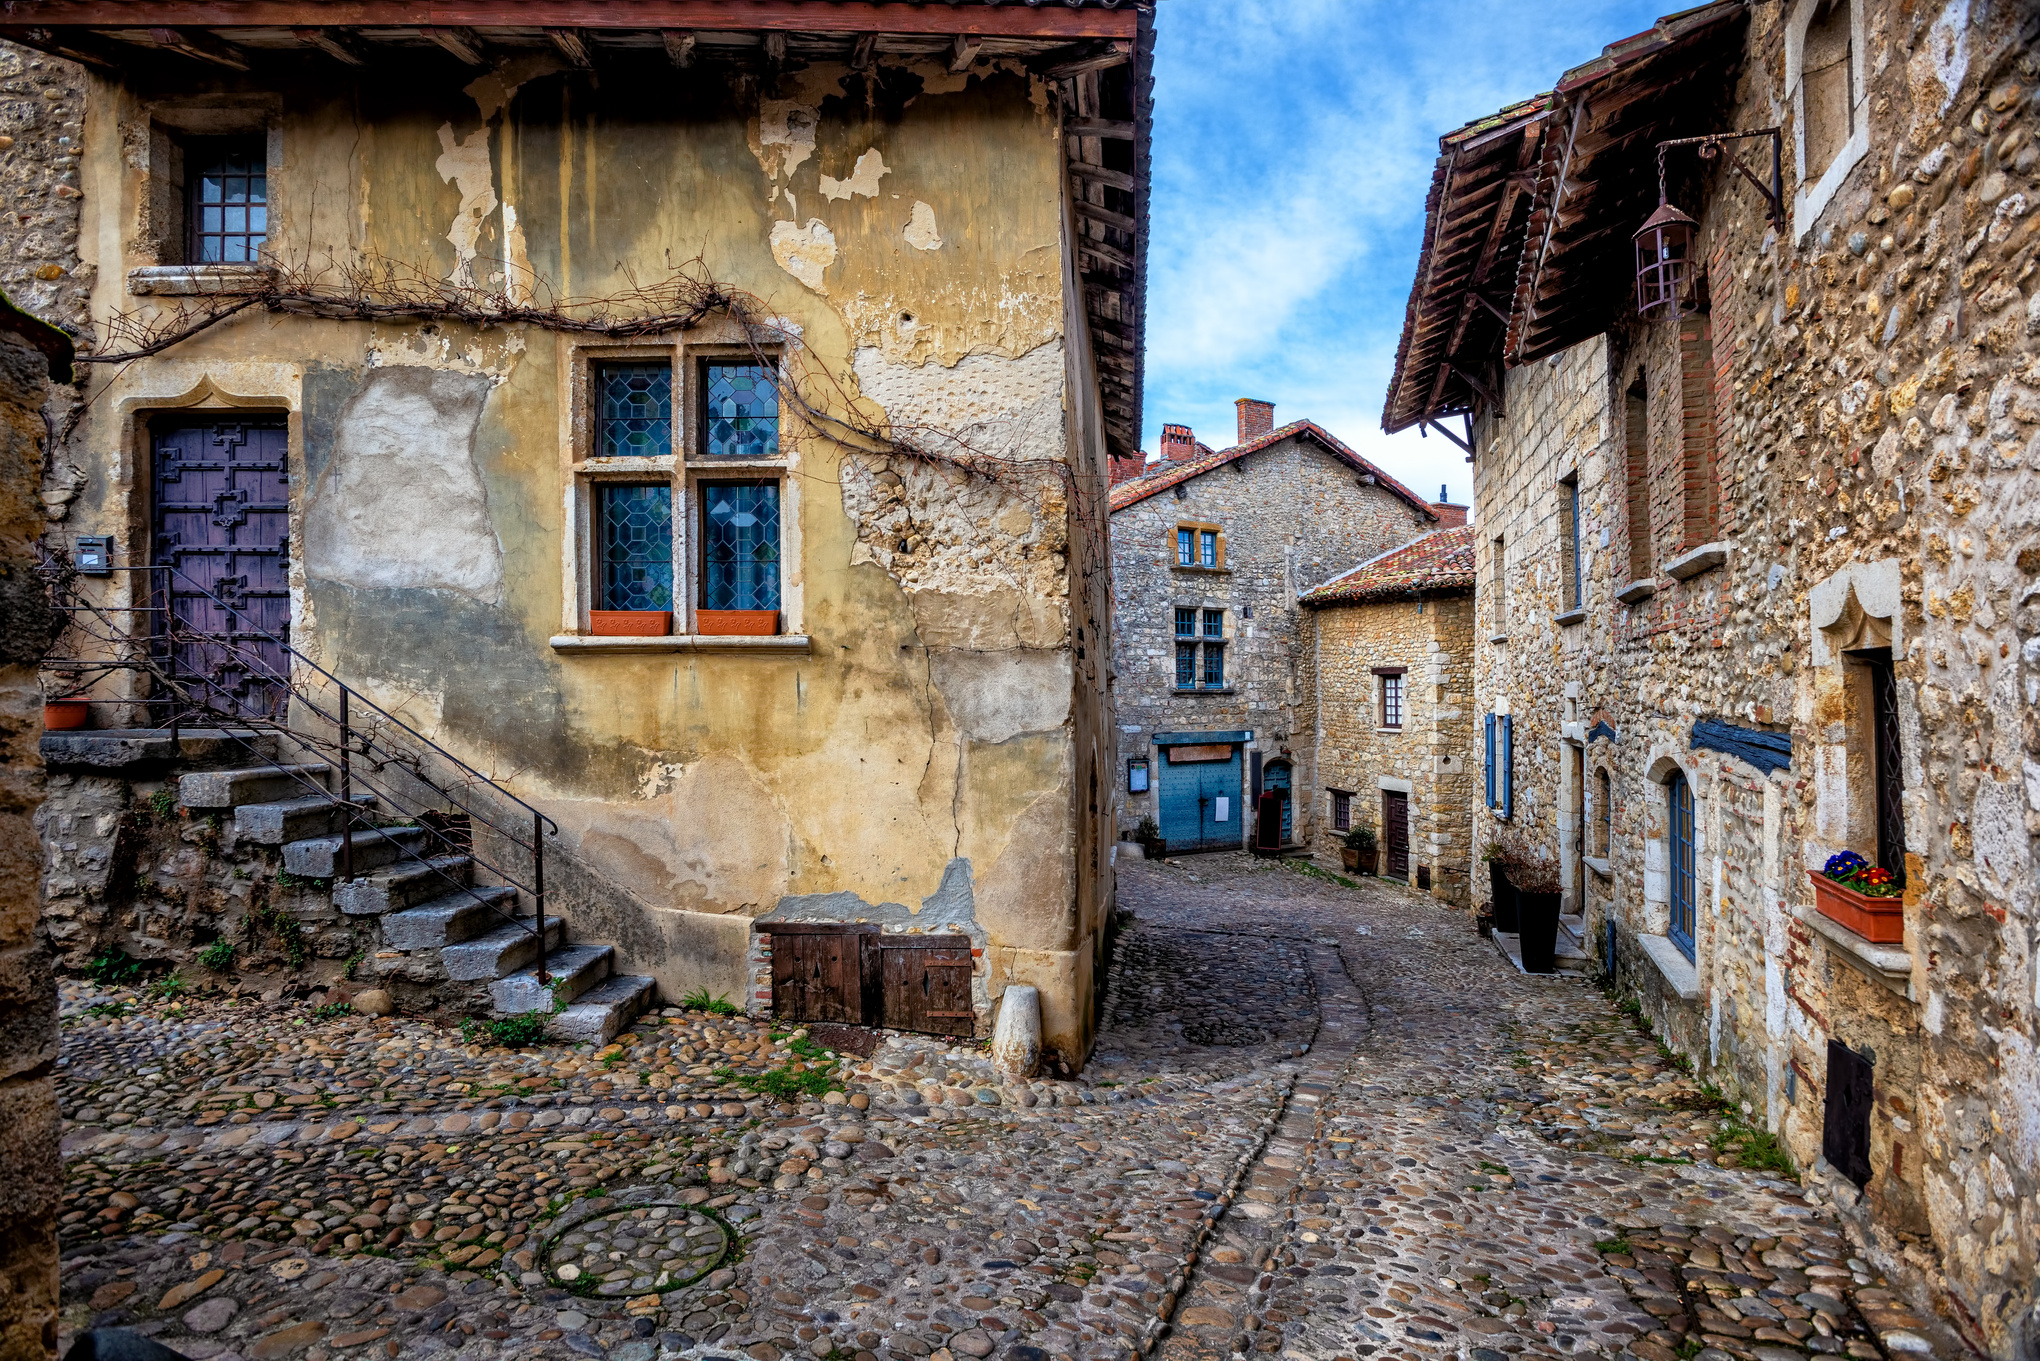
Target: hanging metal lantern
[[1664, 256]]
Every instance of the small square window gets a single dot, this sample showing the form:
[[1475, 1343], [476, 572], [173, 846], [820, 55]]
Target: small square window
[[1186, 666], [1214, 666], [1207, 548], [634, 410], [227, 189], [1186, 623], [1214, 623], [1342, 811], [1185, 550], [635, 543], [740, 545], [740, 411]]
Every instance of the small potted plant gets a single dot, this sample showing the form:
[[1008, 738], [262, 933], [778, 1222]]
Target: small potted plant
[[1865, 898], [1359, 851], [1149, 835], [63, 713]]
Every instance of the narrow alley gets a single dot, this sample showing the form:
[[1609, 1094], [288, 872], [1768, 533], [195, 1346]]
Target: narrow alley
[[1323, 1121]]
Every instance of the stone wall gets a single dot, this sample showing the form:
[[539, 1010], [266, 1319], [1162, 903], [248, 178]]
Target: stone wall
[[1292, 515], [1426, 758], [1875, 466]]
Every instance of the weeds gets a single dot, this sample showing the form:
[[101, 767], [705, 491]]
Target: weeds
[[1757, 1149], [1305, 867], [718, 1005], [353, 963], [332, 1011], [169, 988], [1619, 1245], [114, 965], [163, 805], [783, 1084], [287, 930], [520, 1031], [108, 1009], [219, 956]]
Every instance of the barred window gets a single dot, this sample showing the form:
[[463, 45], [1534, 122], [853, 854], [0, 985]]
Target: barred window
[[1342, 811], [1214, 665], [228, 186], [1391, 701]]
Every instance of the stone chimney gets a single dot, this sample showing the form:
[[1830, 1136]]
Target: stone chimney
[[1124, 469], [1178, 444], [1256, 419], [1449, 515]]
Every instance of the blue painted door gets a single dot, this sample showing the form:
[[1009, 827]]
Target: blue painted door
[[1200, 802]]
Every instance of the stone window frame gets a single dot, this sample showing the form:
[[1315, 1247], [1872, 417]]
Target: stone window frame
[[157, 245], [1572, 567], [1498, 578], [1811, 198], [1395, 679], [1200, 642], [1197, 529], [1680, 973], [685, 470], [1341, 813], [1601, 818]]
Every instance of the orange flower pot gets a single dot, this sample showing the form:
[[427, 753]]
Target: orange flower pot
[[736, 623], [63, 715], [1878, 920], [630, 623]]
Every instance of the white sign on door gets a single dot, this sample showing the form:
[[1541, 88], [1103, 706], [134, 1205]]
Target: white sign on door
[[1224, 806]]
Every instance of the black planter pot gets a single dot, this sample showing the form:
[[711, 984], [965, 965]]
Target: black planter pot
[[1537, 918], [1504, 896]]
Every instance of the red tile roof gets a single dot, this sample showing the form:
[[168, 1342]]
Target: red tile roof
[[1441, 561], [1172, 474]]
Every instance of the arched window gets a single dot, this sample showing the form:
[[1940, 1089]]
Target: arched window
[[1679, 795]]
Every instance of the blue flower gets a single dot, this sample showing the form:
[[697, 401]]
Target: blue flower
[[1842, 865]]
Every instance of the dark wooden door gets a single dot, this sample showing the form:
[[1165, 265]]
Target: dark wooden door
[[222, 519], [1845, 1124], [818, 971], [926, 984], [1395, 832]]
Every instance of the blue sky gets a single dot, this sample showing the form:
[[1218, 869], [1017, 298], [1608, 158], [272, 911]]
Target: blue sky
[[1294, 141]]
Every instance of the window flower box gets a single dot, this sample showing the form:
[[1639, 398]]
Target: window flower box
[[736, 623], [64, 715], [1880, 921], [630, 623]]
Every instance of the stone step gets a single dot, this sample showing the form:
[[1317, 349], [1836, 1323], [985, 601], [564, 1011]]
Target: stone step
[[501, 951], [1575, 929], [319, 857], [574, 968], [448, 920], [405, 885], [273, 824], [1566, 958], [604, 1010], [257, 784]]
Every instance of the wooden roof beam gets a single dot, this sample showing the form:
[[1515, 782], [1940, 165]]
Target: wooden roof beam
[[862, 51], [679, 46], [339, 46], [1109, 128], [963, 50], [1116, 179], [199, 45], [86, 49], [461, 42], [1097, 57], [1498, 228], [1117, 221], [572, 46]]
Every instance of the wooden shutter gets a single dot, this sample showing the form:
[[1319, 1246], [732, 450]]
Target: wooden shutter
[[1490, 724], [1845, 1132], [926, 984], [1508, 766]]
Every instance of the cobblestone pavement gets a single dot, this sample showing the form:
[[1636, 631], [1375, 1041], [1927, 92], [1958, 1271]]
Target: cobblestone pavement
[[1322, 1121]]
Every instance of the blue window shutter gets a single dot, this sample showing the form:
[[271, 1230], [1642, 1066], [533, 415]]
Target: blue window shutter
[[1508, 766], [1490, 760]]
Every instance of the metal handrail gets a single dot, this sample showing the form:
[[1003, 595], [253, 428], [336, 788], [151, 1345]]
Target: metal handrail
[[349, 732]]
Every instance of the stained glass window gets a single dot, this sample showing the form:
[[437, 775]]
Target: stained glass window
[[740, 545], [634, 410], [741, 408], [229, 199], [636, 547]]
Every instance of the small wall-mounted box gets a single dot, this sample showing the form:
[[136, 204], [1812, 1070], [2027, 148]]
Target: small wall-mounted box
[[92, 555]]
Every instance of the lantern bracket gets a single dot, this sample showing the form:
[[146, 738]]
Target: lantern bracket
[[1713, 145]]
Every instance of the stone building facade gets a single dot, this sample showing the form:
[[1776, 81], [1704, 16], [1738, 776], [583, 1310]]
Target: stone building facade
[[1387, 684], [1209, 553], [1756, 579], [866, 676]]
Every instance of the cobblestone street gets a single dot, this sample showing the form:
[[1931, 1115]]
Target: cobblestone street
[[1323, 1121]]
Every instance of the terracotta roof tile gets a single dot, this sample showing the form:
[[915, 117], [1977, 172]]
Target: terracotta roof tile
[[1439, 561], [1141, 488]]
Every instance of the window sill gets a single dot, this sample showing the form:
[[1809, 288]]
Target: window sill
[[1200, 690], [1202, 571], [775, 644], [1679, 971], [1602, 867], [1891, 965], [192, 281], [1397, 729], [1578, 616], [1498, 637], [1693, 562], [1638, 591]]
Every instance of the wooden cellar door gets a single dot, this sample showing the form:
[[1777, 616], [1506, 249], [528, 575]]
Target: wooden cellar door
[[926, 984], [818, 971]]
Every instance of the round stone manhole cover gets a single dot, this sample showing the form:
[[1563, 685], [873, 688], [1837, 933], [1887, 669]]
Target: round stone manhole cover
[[636, 1251]]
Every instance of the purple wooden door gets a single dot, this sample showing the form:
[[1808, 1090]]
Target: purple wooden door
[[222, 494]]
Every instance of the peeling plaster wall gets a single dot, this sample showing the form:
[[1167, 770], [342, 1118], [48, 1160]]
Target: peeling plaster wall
[[937, 716], [1874, 412]]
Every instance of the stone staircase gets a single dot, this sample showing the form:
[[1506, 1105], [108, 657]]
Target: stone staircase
[[426, 904], [1568, 954]]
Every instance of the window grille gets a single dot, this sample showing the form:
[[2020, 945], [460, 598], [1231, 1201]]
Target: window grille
[[740, 545], [1214, 623], [1214, 665], [1684, 882], [634, 410], [1890, 774], [636, 546], [228, 188], [1186, 665], [1342, 811], [1391, 701], [1186, 623], [740, 406]]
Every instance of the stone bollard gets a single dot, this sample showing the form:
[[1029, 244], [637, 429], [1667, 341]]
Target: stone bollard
[[1016, 1038]]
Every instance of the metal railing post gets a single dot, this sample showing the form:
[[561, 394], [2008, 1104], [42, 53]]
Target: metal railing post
[[538, 886], [346, 798]]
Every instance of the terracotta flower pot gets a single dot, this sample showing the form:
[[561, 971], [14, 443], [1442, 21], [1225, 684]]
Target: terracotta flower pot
[[1878, 920], [630, 623], [63, 715], [736, 623]]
